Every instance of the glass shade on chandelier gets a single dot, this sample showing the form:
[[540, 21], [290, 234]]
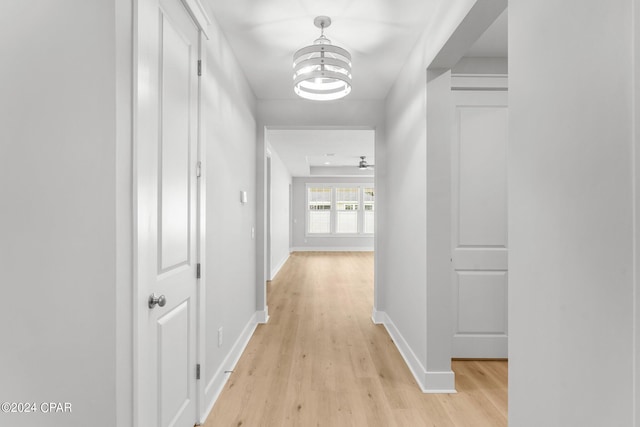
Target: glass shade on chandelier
[[322, 71]]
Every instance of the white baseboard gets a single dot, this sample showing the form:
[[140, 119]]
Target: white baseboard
[[262, 316], [332, 249], [468, 346], [276, 270], [213, 389], [439, 382], [429, 382], [378, 317]]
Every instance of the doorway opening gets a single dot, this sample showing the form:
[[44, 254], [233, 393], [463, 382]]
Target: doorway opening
[[320, 196]]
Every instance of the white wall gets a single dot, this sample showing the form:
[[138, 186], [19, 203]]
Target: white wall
[[440, 112], [303, 242], [636, 123], [416, 320], [228, 118], [280, 221], [571, 226], [58, 199], [124, 217], [405, 304]]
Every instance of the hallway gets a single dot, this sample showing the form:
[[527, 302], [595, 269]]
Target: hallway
[[321, 361]]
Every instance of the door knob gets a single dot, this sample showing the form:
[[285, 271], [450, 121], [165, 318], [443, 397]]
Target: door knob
[[154, 300]]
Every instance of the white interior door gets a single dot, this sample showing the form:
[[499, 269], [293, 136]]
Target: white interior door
[[479, 225], [167, 214]]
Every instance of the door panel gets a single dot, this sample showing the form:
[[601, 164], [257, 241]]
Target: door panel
[[174, 365], [482, 214], [166, 198], [174, 168], [479, 225], [481, 300]]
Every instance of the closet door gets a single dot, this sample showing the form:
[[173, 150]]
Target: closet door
[[479, 225], [166, 203]]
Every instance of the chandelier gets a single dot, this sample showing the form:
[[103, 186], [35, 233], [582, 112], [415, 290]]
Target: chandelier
[[322, 71]]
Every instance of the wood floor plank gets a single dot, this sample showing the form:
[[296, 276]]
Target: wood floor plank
[[320, 361]]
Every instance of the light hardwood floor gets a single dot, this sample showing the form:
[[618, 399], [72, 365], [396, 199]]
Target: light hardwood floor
[[320, 361]]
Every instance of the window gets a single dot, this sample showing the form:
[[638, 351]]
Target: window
[[337, 209], [347, 200], [319, 210]]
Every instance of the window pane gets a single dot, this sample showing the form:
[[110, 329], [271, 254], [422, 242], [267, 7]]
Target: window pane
[[319, 199], [347, 222], [320, 222], [347, 205], [347, 199], [368, 221], [319, 210], [368, 198]]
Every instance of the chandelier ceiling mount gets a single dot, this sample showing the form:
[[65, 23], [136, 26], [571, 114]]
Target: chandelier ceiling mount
[[322, 71]]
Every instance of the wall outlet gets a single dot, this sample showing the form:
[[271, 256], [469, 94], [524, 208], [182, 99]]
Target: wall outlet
[[220, 336]]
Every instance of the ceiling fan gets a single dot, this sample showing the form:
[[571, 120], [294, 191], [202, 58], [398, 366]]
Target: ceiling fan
[[363, 163]]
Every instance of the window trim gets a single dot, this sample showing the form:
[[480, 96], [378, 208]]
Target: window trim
[[334, 211]]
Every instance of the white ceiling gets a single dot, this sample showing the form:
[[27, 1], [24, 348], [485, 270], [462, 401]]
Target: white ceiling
[[379, 34], [329, 152]]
